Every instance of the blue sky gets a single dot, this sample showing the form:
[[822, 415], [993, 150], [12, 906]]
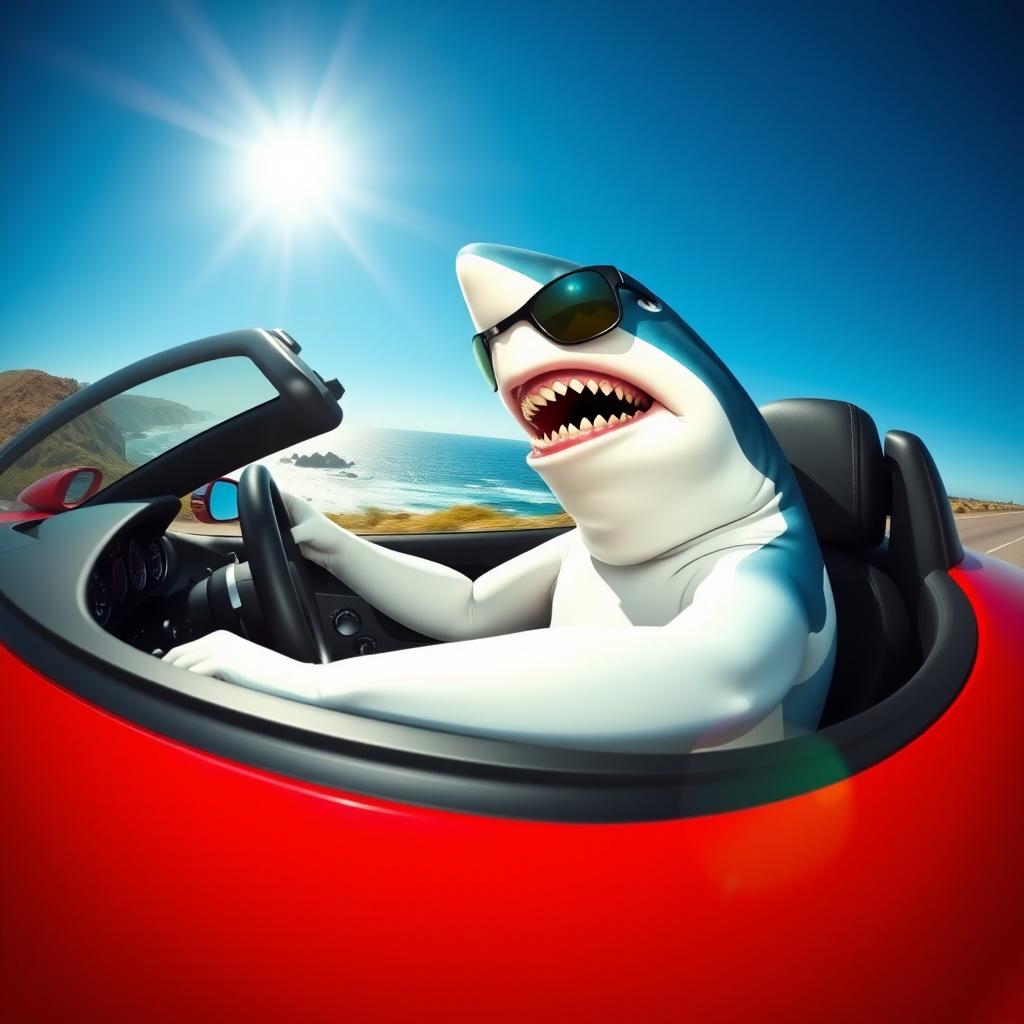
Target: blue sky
[[829, 193]]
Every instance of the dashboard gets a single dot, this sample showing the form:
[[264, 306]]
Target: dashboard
[[154, 590]]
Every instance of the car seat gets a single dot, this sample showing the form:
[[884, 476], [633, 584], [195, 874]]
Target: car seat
[[835, 452]]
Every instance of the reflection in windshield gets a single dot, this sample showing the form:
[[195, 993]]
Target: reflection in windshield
[[132, 428]]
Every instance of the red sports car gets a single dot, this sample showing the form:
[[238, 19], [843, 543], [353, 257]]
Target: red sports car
[[178, 848]]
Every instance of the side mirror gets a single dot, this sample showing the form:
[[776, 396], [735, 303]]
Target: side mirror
[[63, 490], [216, 502]]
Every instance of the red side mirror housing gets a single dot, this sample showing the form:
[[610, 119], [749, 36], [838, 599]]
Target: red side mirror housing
[[63, 490]]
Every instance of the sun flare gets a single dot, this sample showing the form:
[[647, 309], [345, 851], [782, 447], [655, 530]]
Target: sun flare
[[291, 173]]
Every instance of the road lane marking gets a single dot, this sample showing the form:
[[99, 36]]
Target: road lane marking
[[1006, 545]]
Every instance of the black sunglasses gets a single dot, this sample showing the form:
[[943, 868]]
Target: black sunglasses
[[578, 306]]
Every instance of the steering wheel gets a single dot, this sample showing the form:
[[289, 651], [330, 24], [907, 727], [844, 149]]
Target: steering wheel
[[278, 569]]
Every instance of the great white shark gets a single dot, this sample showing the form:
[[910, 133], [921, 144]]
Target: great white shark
[[689, 608]]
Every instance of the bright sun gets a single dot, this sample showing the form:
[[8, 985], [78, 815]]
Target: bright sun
[[291, 173]]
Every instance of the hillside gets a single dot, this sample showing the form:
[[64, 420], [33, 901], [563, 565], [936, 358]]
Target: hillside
[[136, 413], [92, 439]]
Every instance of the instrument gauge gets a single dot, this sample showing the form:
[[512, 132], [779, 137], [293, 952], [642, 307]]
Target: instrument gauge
[[119, 579], [136, 566], [156, 560], [98, 596]]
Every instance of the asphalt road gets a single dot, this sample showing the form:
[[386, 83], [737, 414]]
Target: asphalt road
[[1000, 534]]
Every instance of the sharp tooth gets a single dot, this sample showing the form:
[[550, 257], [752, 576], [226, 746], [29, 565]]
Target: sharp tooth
[[612, 420], [563, 431], [559, 387], [606, 388], [600, 421], [547, 394], [585, 424], [625, 416], [629, 396], [538, 401], [573, 430], [576, 386], [592, 384], [618, 392]]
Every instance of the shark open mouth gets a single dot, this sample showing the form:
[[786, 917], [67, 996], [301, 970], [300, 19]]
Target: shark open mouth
[[570, 406]]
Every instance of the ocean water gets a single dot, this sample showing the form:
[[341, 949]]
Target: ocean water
[[412, 470]]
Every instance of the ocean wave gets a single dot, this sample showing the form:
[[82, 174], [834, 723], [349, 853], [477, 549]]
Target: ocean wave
[[528, 494]]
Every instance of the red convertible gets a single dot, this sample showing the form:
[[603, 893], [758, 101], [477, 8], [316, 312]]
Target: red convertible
[[178, 848]]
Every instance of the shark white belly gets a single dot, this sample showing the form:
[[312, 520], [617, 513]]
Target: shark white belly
[[591, 593]]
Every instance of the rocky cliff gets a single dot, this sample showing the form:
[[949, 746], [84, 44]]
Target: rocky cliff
[[96, 438], [326, 460]]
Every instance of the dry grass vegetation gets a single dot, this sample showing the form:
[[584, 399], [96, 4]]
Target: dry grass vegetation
[[461, 518], [982, 505], [456, 518], [26, 395]]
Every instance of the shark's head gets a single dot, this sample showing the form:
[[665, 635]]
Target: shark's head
[[643, 434]]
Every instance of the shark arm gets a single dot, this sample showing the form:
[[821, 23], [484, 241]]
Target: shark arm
[[427, 596], [705, 678]]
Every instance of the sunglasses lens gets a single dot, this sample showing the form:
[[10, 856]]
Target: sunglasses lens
[[577, 308], [483, 361]]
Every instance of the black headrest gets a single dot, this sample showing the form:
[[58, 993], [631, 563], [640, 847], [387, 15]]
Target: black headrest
[[834, 448]]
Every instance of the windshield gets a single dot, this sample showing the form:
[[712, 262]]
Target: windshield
[[130, 429]]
